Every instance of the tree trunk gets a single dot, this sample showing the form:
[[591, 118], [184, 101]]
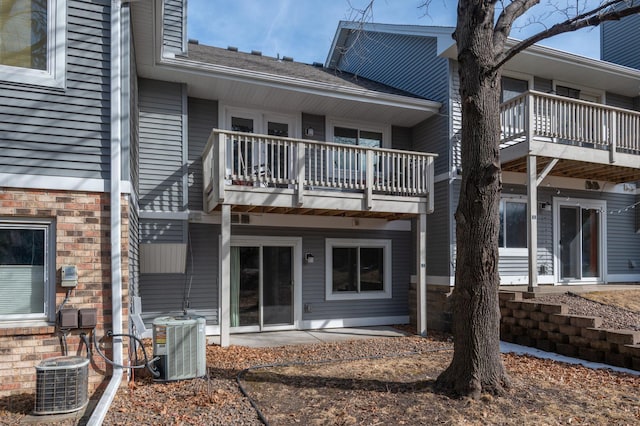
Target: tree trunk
[[477, 365]]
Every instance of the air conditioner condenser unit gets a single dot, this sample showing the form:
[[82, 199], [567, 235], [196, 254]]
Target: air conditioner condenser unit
[[179, 343]]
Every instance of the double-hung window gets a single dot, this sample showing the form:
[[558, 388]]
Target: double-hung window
[[358, 269], [32, 41], [513, 224], [25, 259]]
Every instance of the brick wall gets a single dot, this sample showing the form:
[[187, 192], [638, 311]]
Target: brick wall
[[82, 228], [549, 327]]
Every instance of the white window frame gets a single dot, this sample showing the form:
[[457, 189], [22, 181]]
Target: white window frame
[[49, 270], [260, 119], [589, 91], [360, 126], [54, 75], [330, 243], [513, 251]]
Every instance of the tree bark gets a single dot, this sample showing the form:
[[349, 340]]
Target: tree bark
[[477, 365]]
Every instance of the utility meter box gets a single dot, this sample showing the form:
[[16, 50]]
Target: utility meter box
[[68, 276]]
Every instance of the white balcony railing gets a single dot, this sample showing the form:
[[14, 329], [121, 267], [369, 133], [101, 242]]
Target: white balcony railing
[[235, 159], [569, 121]]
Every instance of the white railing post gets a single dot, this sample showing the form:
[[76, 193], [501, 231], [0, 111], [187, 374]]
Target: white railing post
[[221, 165], [613, 131], [531, 116], [429, 178], [369, 181], [300, 179]]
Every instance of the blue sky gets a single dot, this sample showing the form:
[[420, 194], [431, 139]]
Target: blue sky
[[304, 29]]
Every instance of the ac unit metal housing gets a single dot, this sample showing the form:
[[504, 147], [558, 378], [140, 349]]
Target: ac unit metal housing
[[180, 344], [61, 385]]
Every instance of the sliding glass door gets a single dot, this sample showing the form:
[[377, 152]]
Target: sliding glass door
[[580, 241], [262, 286]]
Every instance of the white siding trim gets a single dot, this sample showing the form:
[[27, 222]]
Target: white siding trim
[[353, 322], [308, 221], [62, 183]]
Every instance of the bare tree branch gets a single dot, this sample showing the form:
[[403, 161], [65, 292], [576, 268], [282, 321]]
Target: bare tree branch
[[605, 12], [506, 19]]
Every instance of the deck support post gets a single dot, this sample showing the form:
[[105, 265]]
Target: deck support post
[[421, 278], [224, 305], [532, 222]]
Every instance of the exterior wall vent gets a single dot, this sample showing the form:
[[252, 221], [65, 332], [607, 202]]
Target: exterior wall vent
[[180, 344], [61, 385]]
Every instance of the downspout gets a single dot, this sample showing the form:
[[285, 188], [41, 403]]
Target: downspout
[[99, 413]]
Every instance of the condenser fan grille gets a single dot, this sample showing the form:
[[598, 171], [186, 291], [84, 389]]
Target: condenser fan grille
[[61, 385]]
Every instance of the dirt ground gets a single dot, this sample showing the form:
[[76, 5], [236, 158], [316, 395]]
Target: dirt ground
[[368, 382]]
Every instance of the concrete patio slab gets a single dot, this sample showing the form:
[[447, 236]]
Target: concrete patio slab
[[301, 337]]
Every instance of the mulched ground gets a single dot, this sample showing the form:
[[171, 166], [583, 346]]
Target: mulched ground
[[379, 381]]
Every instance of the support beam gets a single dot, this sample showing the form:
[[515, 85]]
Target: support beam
[[532, 223], [546, 171], [224, 305], [421, 281]]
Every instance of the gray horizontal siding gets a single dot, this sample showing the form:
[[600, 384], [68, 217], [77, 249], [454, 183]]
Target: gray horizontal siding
[[439, 232], [619, 41], [620, 101], [203, 118], [162, 231], [623, 243], [173, 28], [197, 289], [542, 85], [400, 61], [313, 275], [163, 293], [401, 138], [64, 133], [317, 123], [161, 151]]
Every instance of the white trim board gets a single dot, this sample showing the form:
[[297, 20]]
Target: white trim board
[[58, 183], [569, 183], [353, 322], [307, 221]]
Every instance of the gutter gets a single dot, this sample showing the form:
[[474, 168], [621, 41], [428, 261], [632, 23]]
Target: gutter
[[99, 413]]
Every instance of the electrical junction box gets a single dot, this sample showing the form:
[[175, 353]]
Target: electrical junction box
[[68, 318], [87, 318], [69, 276]]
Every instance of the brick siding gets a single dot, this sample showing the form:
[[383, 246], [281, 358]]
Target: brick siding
[[82, 228]]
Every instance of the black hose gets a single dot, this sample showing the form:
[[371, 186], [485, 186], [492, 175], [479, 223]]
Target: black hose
[[261, 416], [86, 342], [147, 363]]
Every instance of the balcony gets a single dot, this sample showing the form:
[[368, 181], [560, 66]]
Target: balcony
[[267, 174], [583, 139]]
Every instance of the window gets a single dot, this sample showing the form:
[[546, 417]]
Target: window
[[364, 138], [32, 41], [512, 87], [25, 291], [358, 269], [513, 224]]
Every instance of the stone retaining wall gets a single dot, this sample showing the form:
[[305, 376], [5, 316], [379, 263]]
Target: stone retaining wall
[[549, 327]]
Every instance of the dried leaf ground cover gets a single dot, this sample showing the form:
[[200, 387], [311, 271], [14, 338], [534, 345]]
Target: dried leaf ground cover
[[389, 390], [399, 391]]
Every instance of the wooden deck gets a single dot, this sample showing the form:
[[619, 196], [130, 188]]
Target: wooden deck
[[266, 174]]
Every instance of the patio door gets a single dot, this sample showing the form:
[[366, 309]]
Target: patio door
[[580, 237], [263, 285]]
